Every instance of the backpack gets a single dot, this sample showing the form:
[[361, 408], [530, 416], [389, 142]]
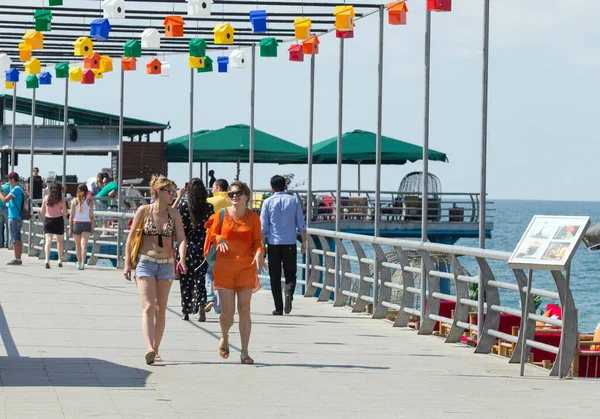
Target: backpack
[[25, 207]]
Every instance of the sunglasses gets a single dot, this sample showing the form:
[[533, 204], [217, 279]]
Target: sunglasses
[[170, 191], [234, 193]]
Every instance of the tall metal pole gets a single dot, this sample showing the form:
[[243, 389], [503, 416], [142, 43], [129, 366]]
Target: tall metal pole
[[484, 123], [65, 131], [191, 139], [379, 117], [311, 125], [32, 153], [338, 187], [13, 130], [252, 91], [120, 166]]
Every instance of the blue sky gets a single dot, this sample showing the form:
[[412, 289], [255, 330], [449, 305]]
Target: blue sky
[[544, 62]]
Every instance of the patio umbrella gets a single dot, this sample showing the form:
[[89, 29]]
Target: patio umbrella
[[177, 148]]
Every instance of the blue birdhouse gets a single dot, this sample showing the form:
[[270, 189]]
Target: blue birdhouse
[[258, 18], [46, 78], [12, 75], [99, 29], [222, 64]]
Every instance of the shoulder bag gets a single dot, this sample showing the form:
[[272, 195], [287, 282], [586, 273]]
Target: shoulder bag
[[137, 239], [211, 258]]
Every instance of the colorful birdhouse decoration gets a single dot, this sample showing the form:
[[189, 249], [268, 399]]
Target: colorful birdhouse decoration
[[84, 47], [439, 5], [106, 64], [197, 47], [258, 19], [151, 38], [99, 29], [12, 75], [174, 26], [24, 51], [165, 69], [268, 47], [199, 7], [61, 70], [46, 78], [9, 85], [208, 66], [5, 63], [397, 12], [153, 66], [55, 3], [113, 9], [132, 48], [33, 66], [32, 82], [296, 52], [223, 33], [344, 34], [195, 62], [76, 74], [311, 45], [97, 73], [92, 62], [344, 18], [302, 27], [222, 64], [129, 63], [35, 39], [43, 20], [238, 59], [88, 77]]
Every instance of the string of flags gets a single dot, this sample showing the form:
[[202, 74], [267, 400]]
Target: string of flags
[[95, 65]]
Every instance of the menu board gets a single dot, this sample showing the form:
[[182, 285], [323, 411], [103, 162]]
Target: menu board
[[549, 242]]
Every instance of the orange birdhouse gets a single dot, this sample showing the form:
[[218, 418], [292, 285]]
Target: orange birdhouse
[[397, 13], [24, 51], [34, 38], [439, 5], [129, 63], [311, 45], [154, 66], [174, 26], [92, 62]]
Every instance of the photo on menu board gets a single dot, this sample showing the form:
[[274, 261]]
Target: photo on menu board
[[556, 251]]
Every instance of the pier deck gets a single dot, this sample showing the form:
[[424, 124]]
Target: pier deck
[[72, 347]]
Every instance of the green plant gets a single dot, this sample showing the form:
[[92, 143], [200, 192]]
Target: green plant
[[473, 295]]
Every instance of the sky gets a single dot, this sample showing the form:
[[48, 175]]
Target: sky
[[543, 90]]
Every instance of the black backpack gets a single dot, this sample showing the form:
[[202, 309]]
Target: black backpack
[[25, 207]]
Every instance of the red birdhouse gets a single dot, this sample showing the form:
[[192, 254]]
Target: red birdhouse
[[92, 61], [88, 77], [154, 66], [397, 13], [129, 63], [311, 45], [439, 5], [344, 34], [296, 53], [174, 26]]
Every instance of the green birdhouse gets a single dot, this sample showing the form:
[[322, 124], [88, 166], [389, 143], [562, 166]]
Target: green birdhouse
[[268, 47], [32, 81], [132, 48], [55, 2], [207, 66], [197, 47], [43, 19], [61, 70]]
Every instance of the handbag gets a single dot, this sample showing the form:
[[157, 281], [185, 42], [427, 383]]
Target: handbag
[[137, 239], [211, 257]]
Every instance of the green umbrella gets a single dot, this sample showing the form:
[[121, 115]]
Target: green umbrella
[[177, 148]]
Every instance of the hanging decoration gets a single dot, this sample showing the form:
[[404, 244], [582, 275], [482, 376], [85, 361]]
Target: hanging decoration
[[88, 77], [197, 47], [24, 51], [99, 29], [9, 85], [46, 78], [61, 70], [311, 45], [34, 66], [208, 66], [55, 3], [43, 20], [151, 38], [439, 5], [258, 19], [174, 26], [165, 69], [129, 63], [268, 47], [238, 59], [34, 38], [113, 9], [223, 33], [153, 66], [132, 48], [76, 74], [12, 75], [302, 27], [397, 12], [344, 18], [296, 52], [344, 34], [92, 62], [5, 63], [84, 47], [195, 62], [199, 7], [32, 82], [222, 64], [97, 73], [106, 64]]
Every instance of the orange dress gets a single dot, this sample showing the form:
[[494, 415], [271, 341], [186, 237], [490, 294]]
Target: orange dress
[[234, 269]]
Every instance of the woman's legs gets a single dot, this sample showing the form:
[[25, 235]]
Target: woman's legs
[[243, 305], [85, 236], [77, 240], [185, 286], [163, 287], [227, 299], [146, 286], [61, 247], [47, 245]]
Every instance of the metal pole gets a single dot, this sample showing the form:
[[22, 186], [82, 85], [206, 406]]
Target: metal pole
[[65, 131], [311, 124], [252, 91], [379, 118], [338, 188], [13, 129], [120, 164], [358, 173], [191, 139], [525, 318], [484, 124], [564, 314], [31, 151]]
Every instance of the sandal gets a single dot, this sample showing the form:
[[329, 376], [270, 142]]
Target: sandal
[[245, 359], [224, 352], [157, 358], [150, 356]]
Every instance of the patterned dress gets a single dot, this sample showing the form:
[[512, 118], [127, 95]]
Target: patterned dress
[[193, 290]]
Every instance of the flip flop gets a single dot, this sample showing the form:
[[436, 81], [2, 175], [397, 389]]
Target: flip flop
[[150, 357], [246, 360], [157, 358], [224, 352]]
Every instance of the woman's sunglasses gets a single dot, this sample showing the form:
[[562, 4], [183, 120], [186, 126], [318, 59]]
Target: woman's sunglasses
[[170, 191], [234, 193]]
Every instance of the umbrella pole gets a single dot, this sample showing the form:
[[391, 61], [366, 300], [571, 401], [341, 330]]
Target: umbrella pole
[[358, 168], [191, 139], [13, 128], [252, 91], [376, 227], [484, 124], [32, 147], [237, 175], [65, 131]]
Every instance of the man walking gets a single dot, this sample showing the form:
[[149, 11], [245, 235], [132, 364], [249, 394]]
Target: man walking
[[281, 219], [4, 217], [14, 200]]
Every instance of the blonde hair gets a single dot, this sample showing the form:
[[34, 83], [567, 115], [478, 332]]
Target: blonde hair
[[242, 186], [159, 182], [82, 192]]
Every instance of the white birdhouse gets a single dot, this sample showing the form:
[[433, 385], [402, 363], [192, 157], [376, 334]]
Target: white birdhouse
[[150, 38], [165, 69], [199, 7], [238, 59], [114, 9], [5, 63]]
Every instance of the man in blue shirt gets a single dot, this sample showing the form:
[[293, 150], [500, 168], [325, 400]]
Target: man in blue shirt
[[4, 216], [14, 201], [281, 219]]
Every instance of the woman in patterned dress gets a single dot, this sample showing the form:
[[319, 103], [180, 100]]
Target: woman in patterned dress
[[195, 212]]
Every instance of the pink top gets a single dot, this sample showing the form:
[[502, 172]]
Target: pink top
[[53, 211]]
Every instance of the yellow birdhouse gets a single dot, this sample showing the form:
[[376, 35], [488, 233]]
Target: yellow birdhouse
[[302, 27], [223, 33], [24, 51], [34, 38], [76, 74], [344, 18], [9, 85], [97, 73], [106, 64], [34, 66], [84, 47], [196, 62]]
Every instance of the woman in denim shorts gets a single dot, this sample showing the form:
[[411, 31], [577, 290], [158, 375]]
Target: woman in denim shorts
[[155, 268]]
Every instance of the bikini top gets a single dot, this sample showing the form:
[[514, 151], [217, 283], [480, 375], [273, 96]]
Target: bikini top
[[150, 228]]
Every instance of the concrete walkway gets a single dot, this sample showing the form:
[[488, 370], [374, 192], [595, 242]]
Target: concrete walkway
[[72, 347]]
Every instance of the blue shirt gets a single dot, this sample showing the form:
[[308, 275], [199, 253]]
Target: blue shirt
[[16, 204], [281, 218], [6, 190]]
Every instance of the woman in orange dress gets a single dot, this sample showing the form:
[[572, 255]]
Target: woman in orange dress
[[240, 255]]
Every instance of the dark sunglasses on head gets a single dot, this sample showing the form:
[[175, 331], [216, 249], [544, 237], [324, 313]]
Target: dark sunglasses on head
[[235, 193]]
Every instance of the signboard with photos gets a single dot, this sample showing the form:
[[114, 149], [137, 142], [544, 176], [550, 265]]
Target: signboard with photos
[[549, 242]]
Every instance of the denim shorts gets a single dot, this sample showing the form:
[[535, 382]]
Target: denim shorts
[[159, 271], [14, 229]]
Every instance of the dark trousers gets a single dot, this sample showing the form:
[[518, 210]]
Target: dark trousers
[[278, 254]]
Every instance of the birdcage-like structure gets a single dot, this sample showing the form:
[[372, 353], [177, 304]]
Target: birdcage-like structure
[[410, 193], [412, 184]]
